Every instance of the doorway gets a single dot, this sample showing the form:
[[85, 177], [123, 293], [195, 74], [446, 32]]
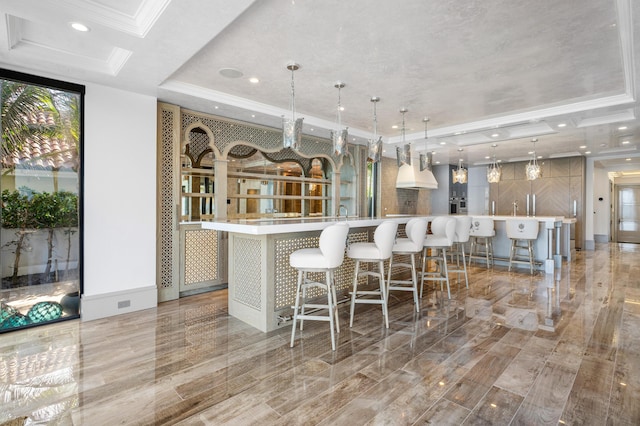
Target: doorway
[[627, 213]]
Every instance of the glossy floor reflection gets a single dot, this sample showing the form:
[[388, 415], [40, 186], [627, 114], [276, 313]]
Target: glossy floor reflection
[[510, 350]]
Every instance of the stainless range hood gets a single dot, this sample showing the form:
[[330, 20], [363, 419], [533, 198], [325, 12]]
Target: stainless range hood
[[410, 177]]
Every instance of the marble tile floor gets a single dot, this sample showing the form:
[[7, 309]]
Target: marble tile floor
[[512, 349]]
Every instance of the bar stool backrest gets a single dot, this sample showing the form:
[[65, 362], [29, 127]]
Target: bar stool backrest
[[384, 237], [444, 226], [522, 229], [482, 227], [463, 229], [333, 241], [416, 230]]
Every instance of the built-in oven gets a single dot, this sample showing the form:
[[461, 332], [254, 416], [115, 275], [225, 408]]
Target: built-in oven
[[454, 205]]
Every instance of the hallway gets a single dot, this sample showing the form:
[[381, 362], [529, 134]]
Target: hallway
[[512, 349]]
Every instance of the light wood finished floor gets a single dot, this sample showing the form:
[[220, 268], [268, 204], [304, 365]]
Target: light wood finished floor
[[510, 350]]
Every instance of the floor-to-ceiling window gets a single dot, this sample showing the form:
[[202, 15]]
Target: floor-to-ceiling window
[[41, 186]]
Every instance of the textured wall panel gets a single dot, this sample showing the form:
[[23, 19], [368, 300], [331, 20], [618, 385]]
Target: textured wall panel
[[166, 214], [247, 261], [201, 256]]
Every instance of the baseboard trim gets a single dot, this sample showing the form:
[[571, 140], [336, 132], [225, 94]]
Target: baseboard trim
[[119, 302], [589, 245], [601, 238]]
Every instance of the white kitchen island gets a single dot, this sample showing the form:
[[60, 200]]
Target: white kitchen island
[[261, 283]]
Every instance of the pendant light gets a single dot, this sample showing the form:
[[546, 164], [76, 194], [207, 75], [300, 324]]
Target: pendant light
[[459, 174], [339, 136], [403, 153], [374, 145], [533, 170], [292, 128], [425, 162], [494, 171]]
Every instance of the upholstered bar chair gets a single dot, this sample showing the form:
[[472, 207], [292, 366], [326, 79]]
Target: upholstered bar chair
[[463, 230], [481, 237], [326, 258], [522, 233], [376, 252], [416, 230], [443, 229]]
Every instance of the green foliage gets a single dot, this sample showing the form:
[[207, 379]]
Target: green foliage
[[16, 212], [40, 210]]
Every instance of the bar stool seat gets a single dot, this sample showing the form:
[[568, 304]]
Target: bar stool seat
[[416, 230], [443, 229], [376, 252], [522, 232], [481, 237], [325, 258]]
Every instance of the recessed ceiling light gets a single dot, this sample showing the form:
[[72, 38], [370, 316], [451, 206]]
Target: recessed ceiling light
[[495, 135], [603, 145], [230, 72], [622, 128], [311, 129], [562, 124], [443, 143], [395, 126], [253, 116], [583, 146], [627, 159], [216, 107], [254, 80], [587, 152], [79, 27], [625, 142], [437, 162], [487, 157]]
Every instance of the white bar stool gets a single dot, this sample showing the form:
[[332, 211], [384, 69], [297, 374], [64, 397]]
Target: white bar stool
[[416, 230], [443, 229], [481, 236], [463, 229], [376, 252], [326, 258], [522, 233]]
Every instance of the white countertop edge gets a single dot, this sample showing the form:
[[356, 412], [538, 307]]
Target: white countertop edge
[[282, 226], [266, 227]]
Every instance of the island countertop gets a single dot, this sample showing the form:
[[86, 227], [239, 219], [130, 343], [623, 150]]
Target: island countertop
[[283, 226]]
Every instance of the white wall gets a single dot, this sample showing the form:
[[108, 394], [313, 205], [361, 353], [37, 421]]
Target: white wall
[[601, 209], [119, 197]]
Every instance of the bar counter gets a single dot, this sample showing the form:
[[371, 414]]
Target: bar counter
[[262, 284]]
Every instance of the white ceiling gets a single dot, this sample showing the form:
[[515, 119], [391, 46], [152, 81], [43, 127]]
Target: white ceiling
[[512, 68]]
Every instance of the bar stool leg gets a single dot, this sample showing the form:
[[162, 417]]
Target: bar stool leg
[[331, 309], [353, 294], [383, 293], [295, 308], [335, 300], [414, 278], [446, 271]]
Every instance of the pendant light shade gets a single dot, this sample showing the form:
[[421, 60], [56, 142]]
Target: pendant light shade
[[292, 127], [533, 170], [339, 136], [494, 171], [374, 145], [403, 153], [460, 174]]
